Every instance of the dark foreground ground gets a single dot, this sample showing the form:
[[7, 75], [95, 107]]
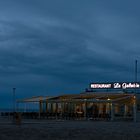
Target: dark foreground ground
[[69, 130]]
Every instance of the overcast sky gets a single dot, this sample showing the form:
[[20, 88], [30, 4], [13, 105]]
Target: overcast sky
[[50, 47]]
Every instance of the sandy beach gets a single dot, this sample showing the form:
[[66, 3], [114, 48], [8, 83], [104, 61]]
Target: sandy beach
[[69, 130]]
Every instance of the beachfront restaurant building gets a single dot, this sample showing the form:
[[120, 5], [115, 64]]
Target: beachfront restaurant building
[[88, 105]]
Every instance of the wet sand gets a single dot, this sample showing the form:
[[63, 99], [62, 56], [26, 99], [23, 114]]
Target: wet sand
[[69, 130]]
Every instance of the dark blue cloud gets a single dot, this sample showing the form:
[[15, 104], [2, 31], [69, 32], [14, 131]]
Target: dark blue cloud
[[54, 47]]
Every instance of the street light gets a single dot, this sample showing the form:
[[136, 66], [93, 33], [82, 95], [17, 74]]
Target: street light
[[136, 73], [134, 104], [136, 63], [14, 100]]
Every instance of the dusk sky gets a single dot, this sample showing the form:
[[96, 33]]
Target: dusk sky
[[52, 47]]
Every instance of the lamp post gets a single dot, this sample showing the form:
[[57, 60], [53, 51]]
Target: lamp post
[[134, 104], [136, 74], [14, 100], [136, 67]]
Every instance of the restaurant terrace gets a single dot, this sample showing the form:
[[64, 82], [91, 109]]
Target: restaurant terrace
[[109, 106]]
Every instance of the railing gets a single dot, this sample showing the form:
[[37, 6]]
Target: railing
[[67, 116]]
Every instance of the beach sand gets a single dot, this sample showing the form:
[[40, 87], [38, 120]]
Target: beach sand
[[69, 130]]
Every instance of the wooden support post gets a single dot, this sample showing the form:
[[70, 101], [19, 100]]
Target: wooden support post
[[85, 110], [40, 108], [107, 108], [134, 111], [112, 112], [46, 106], [56, 110], [125, 110], [51, 107]]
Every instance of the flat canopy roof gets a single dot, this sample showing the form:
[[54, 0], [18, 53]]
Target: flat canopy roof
[[88, 97], [34, 99]]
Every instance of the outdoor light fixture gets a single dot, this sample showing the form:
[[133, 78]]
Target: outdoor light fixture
[[134, 97]]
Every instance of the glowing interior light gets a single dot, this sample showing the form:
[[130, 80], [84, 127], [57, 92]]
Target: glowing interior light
[[134, 97]]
